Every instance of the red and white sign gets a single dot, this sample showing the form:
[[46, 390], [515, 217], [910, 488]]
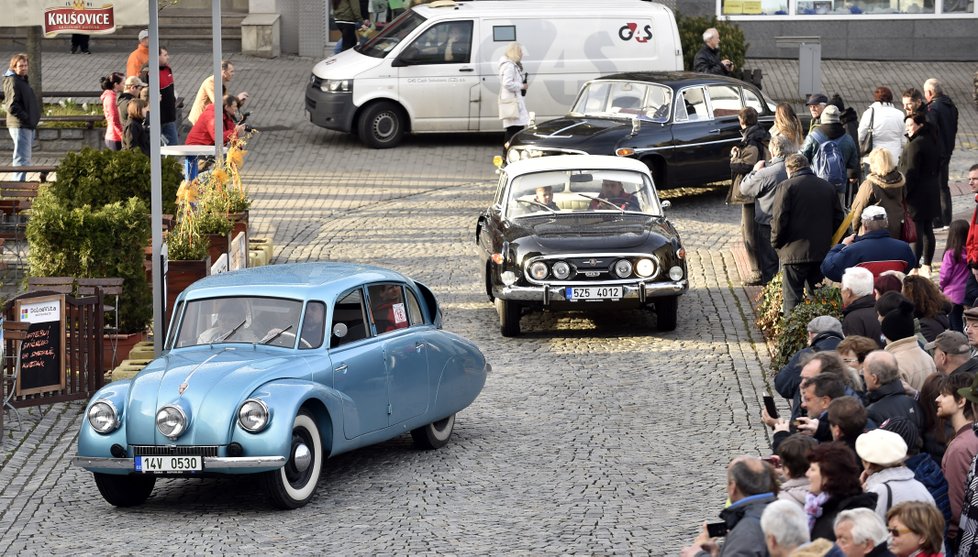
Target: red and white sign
[[91, 17], [79, 18]]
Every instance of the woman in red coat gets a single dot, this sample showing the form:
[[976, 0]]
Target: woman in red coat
[[203, 131]]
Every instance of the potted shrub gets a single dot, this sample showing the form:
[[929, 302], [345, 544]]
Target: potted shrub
[[188, 260]]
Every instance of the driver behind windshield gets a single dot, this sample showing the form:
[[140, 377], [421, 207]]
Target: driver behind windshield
[[612, 191], [545, 196], [230, 319]]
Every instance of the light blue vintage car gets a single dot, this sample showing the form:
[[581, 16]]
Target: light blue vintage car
[[250, 381]]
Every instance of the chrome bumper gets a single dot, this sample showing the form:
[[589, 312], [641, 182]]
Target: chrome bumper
[[548, 293], [109, 463]]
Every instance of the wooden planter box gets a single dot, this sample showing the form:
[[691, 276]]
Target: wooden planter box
[[239, 223], [123, 344], [217, 245], [180, 275]]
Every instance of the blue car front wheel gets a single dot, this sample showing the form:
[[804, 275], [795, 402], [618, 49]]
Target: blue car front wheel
[[293, 485]]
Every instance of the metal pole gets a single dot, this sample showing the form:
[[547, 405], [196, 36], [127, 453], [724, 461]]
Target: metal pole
[[218, 82], [156, 187]]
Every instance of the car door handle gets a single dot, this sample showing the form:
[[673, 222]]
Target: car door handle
[[715, 130], [341, 368], [466, 69], [418, 346]]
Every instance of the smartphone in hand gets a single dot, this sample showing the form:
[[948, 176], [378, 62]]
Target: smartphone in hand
[[772, 410], [716, 529]]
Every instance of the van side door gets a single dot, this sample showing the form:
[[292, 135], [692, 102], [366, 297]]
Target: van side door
[[437, 78]]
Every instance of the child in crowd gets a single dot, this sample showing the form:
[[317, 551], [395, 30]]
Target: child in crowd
[[954, 271]]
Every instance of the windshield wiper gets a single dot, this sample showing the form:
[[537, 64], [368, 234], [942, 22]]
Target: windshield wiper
[[537, 203], [601, 200], [231, 332], [268, 339]]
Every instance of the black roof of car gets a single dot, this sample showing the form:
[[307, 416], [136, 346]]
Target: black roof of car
[[673, 79]]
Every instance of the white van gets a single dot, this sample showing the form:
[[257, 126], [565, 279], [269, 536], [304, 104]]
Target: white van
[[400, 80]]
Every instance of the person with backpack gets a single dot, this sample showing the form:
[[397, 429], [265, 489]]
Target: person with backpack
[[832, 151], [920, 164]]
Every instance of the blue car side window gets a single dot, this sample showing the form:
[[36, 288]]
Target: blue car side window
[[313, 325], [350, 312], [414, 309]]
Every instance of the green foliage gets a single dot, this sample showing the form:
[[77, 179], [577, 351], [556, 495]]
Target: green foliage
[[793, 335], [88, 242], [184, 243], [769, 306], [732, 42], [98, 177]]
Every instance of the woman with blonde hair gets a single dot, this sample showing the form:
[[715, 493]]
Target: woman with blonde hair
[[916, 528], [883, 186], [787, 124], [512, 89]]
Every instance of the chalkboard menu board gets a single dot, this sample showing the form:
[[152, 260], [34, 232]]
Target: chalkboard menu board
[[42, 353]]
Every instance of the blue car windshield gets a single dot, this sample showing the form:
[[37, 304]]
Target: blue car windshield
[[565, 192], [382, 43], [624, 99], [239, 319]]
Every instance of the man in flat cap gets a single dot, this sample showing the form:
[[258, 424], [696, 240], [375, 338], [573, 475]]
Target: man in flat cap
[[874, 244], [952, 353], [816, 103]]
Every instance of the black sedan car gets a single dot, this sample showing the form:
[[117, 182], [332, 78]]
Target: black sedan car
[[680, 124], [579, 233]]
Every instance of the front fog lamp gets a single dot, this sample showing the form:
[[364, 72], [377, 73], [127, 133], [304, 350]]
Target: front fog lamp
[[103, 417], [622, 268], [676, 273], [645, 268], [508, 278], [171, 421], [253, 415], [561, 270], [538, 270]]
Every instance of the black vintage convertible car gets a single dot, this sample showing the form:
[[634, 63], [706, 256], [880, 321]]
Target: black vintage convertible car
[[579, 233], [680, 124]]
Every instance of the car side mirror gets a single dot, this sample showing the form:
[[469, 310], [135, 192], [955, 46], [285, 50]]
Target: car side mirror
[[666, 204], [340, 330]]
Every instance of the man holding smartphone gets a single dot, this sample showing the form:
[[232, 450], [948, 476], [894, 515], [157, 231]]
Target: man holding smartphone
[[751, 485]]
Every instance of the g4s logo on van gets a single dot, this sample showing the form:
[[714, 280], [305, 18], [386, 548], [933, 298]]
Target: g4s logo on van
[[630, 30]]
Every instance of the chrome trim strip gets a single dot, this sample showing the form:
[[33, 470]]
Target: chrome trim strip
[[549, 258], [630, 291], [110, 463], [685, 145]]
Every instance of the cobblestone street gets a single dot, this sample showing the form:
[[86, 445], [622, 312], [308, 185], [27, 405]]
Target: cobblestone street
[[593, 436]]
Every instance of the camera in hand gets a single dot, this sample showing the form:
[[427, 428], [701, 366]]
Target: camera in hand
[[716, 529]]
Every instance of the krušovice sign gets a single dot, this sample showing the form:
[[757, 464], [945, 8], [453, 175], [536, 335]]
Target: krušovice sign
[[90, 17]]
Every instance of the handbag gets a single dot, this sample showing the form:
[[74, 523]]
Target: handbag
[[908, 228], [509, 109], [866, 144]]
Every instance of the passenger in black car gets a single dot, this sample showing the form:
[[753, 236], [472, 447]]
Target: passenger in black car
[[614, 192]]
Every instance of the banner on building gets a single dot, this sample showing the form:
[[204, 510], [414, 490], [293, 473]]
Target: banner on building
[[90, 17]]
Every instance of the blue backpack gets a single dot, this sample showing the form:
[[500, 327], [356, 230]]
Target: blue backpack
[[828, 162]]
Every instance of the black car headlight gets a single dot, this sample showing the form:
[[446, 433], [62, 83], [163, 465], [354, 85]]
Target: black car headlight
[[103, 417], [538, 270], [622, 268], [253, 415], [171, 421]]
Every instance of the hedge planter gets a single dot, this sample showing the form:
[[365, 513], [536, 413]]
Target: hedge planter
[[179, 275]]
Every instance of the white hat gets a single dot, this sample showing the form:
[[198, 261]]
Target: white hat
[[873, 212], [881, 447], [144, 34]]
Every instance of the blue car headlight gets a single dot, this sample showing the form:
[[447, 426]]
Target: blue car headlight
[[171, 421], [103, 417], [253, 415]]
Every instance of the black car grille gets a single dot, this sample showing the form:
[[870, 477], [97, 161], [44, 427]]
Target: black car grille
[[174, 450], [310, 104]]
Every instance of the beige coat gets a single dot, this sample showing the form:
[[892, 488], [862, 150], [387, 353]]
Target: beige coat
[[915, 364]]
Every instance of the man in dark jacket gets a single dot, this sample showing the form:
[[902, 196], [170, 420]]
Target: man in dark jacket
[[761, 184], [885, 391], [824, 334], [708, 60], [830, 128], [168, 100], [859, 305], [751, 486], [23, 111], [806, 213], [943, 115], [952, 353], [875, 244]]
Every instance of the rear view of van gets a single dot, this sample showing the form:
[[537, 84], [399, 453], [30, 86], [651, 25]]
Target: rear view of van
[[435, 68]]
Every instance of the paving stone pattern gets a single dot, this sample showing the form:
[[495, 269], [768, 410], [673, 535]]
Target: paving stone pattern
[[594, 435]]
